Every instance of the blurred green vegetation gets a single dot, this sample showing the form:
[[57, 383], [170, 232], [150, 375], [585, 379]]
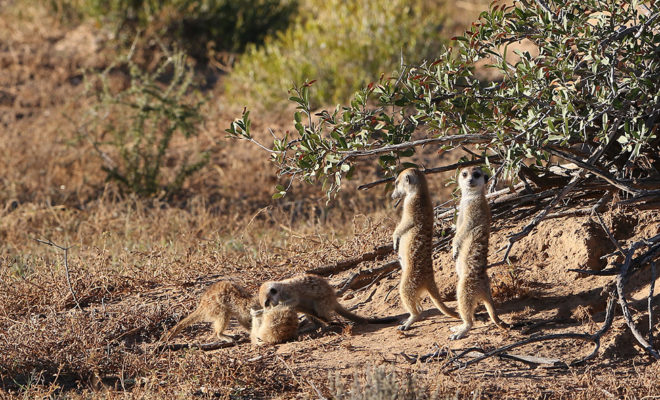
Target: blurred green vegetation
[[196, 25], [341, 44]]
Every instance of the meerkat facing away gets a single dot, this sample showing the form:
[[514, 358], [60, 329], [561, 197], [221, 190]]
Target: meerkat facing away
[[470, 250], [413, 240], [220, 302], [274, 325], [311, 295]]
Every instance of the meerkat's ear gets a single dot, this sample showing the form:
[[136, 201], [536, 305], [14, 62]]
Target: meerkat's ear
[[411, 179], [486, 177]]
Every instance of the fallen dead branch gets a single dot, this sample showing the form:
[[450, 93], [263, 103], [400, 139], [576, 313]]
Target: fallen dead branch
[[344, 265], [355, 280], [532, 361]]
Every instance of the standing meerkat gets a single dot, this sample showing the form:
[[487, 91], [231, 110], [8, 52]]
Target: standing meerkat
[[274, 325], [470, 250], [220, 302], [413, 240], [311, 295]]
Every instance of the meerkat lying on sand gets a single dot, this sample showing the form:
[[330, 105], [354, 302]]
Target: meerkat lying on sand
[[470, 250], [220, 302], [311, 295], [413, 240], [274, 325]]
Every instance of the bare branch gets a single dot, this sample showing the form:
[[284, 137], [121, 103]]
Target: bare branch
[[349, 155], [66, 267], [606, 229], [603, 175]]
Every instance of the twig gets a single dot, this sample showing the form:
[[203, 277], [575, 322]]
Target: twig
[[650, 304], [365, 301], [348, 155], [603, 175], [606, 229], [620, 282], [318, 392], [66, 267], [295, 377]]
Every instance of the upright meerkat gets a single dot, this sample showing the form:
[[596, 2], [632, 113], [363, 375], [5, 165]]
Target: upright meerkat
[[470, 250], [312, 295], [412, 240], [220, 302], [274, 325]]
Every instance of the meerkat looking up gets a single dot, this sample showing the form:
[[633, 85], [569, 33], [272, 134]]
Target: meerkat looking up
[[311, 295], [218, 304], [412, 240], [470, 250], [274, 325]]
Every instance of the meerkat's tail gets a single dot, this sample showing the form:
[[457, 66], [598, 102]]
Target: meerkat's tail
[[362, 320], [195, 316], [488, 302], [432, 289]]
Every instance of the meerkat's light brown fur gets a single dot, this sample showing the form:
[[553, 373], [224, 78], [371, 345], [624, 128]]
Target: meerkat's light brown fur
[[220, 302], [412, 240], [311, 295], [274, 325], [470, 250]]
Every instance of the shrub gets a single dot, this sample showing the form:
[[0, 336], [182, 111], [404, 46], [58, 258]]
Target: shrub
[[134, 127], [341, 44], [590, 97], [225, 25]]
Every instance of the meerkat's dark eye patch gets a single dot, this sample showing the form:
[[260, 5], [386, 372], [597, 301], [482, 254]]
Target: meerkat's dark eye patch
[[273, 291], [464, 174], [476, 174]]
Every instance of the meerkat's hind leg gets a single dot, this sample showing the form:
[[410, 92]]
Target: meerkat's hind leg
[[410, 304], [466, 305], [219, 325]]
